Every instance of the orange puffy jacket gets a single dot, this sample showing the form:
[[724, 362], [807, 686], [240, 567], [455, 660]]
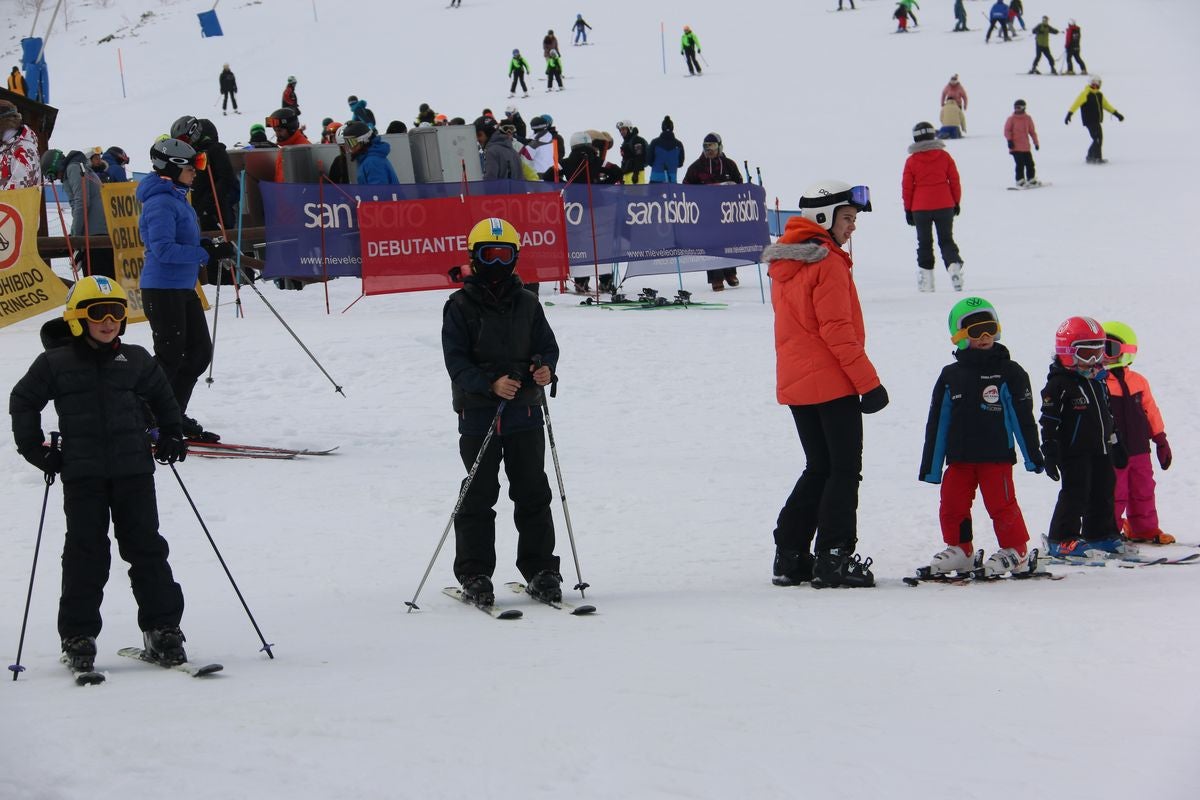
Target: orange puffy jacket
[[819, 331]]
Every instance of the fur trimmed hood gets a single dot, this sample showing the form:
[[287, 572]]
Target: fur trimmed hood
[[931, 144]]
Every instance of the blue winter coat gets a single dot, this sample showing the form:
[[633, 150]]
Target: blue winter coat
[[360, 113], [170, 233], [373, 165], [116, 170], [999, 11], [665, 157]]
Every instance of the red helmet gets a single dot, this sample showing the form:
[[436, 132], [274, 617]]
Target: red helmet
[[1079, 344]]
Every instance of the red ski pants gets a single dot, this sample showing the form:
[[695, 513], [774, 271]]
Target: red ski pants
[[1134, 495], [996, 486]]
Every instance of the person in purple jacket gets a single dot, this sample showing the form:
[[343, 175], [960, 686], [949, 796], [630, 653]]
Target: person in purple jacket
[[175, 253]]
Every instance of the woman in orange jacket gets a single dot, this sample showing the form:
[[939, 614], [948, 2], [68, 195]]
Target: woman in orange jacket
[[824, 376]]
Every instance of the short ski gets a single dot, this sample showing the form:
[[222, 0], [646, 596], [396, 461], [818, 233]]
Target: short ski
[[225, 454], [563, 605], [976, 574], [84, 677], [194, 446], [195, 670], [492, 611], [1038, 185]]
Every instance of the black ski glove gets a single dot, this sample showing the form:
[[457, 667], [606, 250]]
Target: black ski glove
[[957, 209], [1120, 457], [218, 249], [874, 400], [1067, 121], [170, 448], [1050, 459], [46, 458], [908, 217], [1010, 145], [1037, 147], [1120, 117]]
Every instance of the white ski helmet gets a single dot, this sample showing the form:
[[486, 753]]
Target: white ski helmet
[[823, 198]]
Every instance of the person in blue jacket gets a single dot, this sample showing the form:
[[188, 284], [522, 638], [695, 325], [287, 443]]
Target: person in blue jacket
[[369, 153], [665, 154], [998, 16], [116, 158], [175, 253], [360, 112]]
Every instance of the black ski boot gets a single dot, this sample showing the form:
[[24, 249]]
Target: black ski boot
[[195, 431], [841, 568], [478, 590], [165, 645], [80, 652], [792, 567], [545, 586]]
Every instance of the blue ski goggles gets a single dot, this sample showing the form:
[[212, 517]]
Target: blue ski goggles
[[861, 196], [498, 254]]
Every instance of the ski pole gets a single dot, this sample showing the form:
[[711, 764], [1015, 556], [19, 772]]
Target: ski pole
[[288, 328], [562, 492], [702, 58], [266, 647], [216, 318], [462, 494], [16, 668]]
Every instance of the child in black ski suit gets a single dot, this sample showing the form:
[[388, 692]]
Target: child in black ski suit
[[101, 387]]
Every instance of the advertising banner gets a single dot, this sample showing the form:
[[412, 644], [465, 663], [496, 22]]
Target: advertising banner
[[27, 285]]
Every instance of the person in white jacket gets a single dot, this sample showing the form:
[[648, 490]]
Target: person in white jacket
[[20, 166]]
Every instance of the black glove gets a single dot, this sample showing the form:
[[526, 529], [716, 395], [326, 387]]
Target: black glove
[[1120, 117], [1067, 121], [1120, 458], [1010, 144], [218, 249], [1037, 147], [46, 458], [170, 448], [908, 217], [957, 209], [874, 400], [1050, 459]]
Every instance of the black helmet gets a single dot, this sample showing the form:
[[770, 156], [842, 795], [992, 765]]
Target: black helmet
[[120, 155], [169, 156], [356, 133], [285, 118], [923, 132], [486, 125]]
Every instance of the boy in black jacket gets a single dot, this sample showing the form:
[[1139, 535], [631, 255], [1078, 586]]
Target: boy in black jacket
[[981, 404], [492, 329], [100, 387], [1079, 440]]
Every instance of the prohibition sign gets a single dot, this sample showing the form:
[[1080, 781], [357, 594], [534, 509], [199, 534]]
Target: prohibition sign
[[11, 230]]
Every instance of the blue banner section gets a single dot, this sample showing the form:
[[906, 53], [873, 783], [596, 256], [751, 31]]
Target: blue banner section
[[209, 24], [663, 227], [37, 75]]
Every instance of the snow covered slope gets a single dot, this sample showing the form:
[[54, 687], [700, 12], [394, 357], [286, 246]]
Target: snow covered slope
[[697, 678]]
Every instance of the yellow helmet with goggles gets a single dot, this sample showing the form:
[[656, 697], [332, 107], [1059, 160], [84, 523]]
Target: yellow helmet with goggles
[[95, 298]]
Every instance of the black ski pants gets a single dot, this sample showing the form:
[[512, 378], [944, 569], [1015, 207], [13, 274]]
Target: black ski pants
[[1095, 149], [226, 97], [1085, 500], [182, 344], [693, 65], [1037, 59], [992, 26], [824, 502], [518, 77], [86, 559], [1025, 168], [551, 77], [941, 220], [721, 275], [1073, 53], [524, 457]]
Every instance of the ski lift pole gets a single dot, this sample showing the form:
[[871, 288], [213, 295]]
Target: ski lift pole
[[121, 68], [662, 35], [49, 30]]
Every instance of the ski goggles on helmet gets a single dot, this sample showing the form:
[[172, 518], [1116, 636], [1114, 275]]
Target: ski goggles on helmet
[[98, 312], [977, 330], [1114, 349], [1084, 352], [499, 254], [278, 122], [199, 161], [354, 141]]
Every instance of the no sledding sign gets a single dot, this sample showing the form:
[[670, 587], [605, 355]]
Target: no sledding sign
[[11, 231]]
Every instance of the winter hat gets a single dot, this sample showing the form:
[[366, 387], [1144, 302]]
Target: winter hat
[[291, 80], [485, 125], [325, 122], [352, 99], [9, 115], [396, 126], [1019, 105], [580, 137], [424, 107], [516, 52], [713, 138], [923, 132], [668, 124]]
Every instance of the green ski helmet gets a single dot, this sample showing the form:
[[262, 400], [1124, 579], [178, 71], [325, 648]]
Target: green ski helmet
[[969, 311], [1122, 353]]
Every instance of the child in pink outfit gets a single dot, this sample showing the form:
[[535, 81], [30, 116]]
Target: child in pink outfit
[[1139, 423], [1019, 131]]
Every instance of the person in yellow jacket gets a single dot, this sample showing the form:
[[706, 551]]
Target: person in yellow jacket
[[1091, 105], [16, 82]]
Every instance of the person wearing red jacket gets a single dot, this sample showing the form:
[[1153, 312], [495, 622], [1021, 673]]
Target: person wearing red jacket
[[824, 377], [932, 194], [1019, 131], [1139, 423]]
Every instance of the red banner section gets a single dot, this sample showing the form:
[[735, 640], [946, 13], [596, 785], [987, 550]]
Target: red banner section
[[409, 245]]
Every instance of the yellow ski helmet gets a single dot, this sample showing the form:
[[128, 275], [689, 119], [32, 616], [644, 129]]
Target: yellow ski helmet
[[1121, 346], [94, 290]]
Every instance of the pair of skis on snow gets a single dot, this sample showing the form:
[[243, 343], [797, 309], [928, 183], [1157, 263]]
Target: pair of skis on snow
[[93, 677], [229, 450], [977, 574], [508, 612]]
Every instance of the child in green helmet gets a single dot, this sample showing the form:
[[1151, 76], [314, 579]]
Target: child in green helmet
[[982, 404]]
